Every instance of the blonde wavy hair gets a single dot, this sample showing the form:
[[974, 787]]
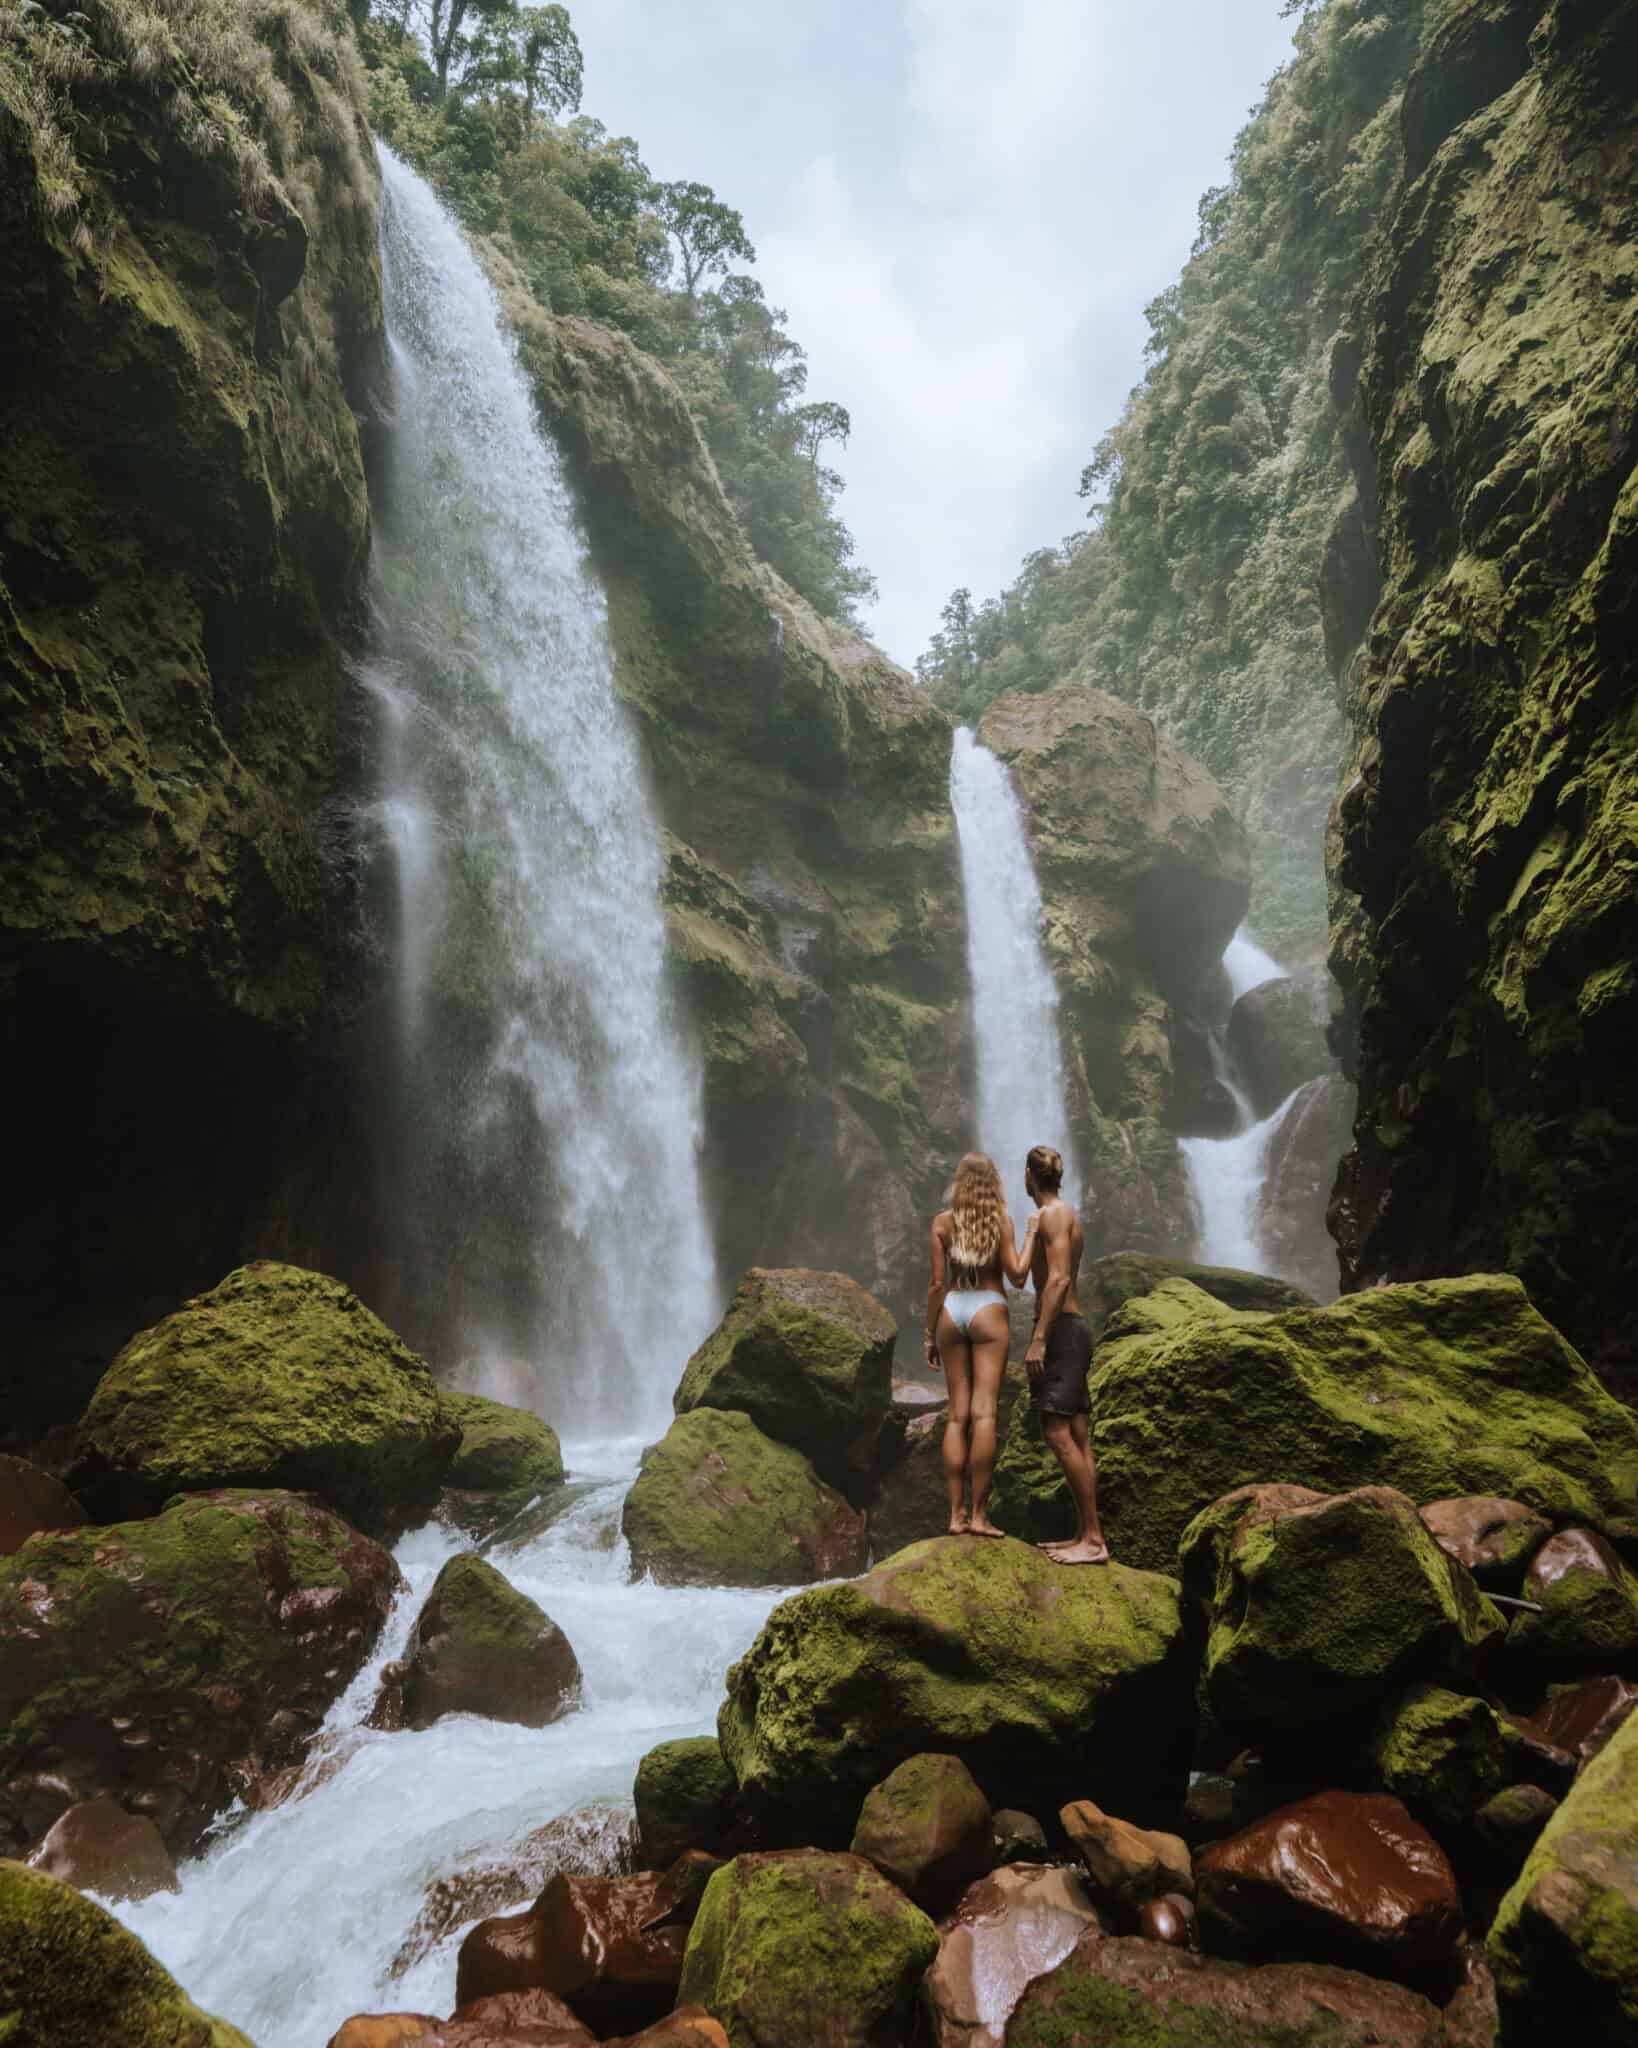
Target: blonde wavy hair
[[976, 1209]]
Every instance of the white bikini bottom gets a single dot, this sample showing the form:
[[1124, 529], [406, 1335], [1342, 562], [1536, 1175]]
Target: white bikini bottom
[[962, 1306]]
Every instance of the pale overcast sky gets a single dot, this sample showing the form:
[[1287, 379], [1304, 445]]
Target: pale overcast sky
[[964, 206]]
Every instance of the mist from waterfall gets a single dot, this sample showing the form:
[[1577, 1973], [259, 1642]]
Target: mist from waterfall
[[1021, 1093], [542, 1097]]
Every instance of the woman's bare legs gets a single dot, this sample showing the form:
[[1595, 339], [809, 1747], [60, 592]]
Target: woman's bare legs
[[989, 1340], [955, 1355]]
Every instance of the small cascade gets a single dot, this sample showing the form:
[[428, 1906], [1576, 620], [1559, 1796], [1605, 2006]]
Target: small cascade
[[541, 1091], [1022, 1100], [1226, 1175]]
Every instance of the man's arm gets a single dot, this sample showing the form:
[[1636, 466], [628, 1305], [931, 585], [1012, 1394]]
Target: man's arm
[[1055, 1229], [937, 1287]]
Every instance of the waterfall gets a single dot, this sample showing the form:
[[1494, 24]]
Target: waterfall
[[545, 1113], [1021, 1092]]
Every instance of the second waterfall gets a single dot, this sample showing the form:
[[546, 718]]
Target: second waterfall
[[541, 1099]]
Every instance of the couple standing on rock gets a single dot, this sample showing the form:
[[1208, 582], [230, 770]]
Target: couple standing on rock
[[968, 1334]]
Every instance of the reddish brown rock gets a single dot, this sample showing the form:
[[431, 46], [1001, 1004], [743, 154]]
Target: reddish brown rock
[[1130, 1990], [690, 2026], [506, 1952], [1495, 1539], [1580, 1719], [1345, 1875], [513, 2019], [385, 2030], [1171, 1919], [31, 1500], [927, 1827], [101, 1848], [678, 1896], [1128, 1864], [585, 1940], [1008, 1928]]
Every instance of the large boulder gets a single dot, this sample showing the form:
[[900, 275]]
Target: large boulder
[[684, 1799], [809, 1357], [172, 1663], [1447, 1754], [801, 1947], [479, 1646], [599, 1954], [1046, 1680], [101, 1848], [1440, 1388], [1588, 1601], [1566, 1937], [276, 1378], [72, 1977], [1276, 1036], [505, 1457], [32, 1500], [1321, 1608], [1108, 1283], [718, 1503], [1008, 1928], [926, 1826]]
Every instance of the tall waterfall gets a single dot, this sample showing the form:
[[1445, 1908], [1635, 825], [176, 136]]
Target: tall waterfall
[[546, 1110], [1021, 1093]]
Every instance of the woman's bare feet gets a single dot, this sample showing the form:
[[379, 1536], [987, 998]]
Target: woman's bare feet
[[960, 1522], [981, 1525], [1082, 1551]]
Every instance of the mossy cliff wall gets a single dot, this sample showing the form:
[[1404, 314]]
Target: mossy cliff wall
[[1483, 847], [188, 306]]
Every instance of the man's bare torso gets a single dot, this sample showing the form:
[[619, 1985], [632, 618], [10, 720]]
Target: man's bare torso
[[1059, 1220]]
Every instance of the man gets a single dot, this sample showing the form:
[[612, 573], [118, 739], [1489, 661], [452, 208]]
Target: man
[[1060, 1353]]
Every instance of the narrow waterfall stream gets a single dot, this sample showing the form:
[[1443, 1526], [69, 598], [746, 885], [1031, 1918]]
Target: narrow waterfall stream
[[1226, 1174], [542, 1085], [527, 869], [1022, 1100]]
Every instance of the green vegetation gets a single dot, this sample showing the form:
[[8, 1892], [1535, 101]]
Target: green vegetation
[[1193, 591], [481, 97], [684, 1796]]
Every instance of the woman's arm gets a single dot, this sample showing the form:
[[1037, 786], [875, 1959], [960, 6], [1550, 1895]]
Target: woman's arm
[[937, 1287], [1016, 1264]]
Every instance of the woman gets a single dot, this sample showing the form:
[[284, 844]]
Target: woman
[[967, 1329]]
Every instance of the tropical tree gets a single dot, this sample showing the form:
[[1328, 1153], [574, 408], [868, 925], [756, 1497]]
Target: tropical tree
[[709, 235]]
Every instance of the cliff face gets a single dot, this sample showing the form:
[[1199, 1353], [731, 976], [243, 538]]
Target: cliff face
[[1484, 921], [188, 299]]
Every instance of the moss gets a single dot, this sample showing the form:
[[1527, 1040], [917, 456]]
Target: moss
[[683, 1795], [717, 1503], [806, 1945], [503, 1451], [482, 1647], [1438, 1389], [277, 1377], [1089, 2012], [72, 1976], [1446, 1754], [1589, 1611]]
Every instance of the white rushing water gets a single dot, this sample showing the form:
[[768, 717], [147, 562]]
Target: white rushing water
[[545, 1091], [1226, 1175], [293, 1921], [1021, 1093]]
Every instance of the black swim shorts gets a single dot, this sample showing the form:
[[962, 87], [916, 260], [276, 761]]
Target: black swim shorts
[[1061, 1389]]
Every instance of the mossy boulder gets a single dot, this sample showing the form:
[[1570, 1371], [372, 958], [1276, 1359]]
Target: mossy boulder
[[1447, 1754], [1321, 1608], [927, 1828], [684, 1797], [1440, 1388], [505, 1458], [1108, 1283], [1566, 1937], [717, 1503], [72, 1977], [175, 1662], [803, 1946], [1589, 1609], [277, 1378], [809, 1357], [479, 1646], [1047, 1681]]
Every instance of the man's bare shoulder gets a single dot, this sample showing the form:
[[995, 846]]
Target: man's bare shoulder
[[1057, 1218]]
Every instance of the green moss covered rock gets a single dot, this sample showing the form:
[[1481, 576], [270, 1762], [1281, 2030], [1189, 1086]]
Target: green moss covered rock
[[805, 1946], [1566, 1937], [1047, 1681], [809, 1357], [505, 1458], [174, 1662], [278, 1377], [717, 1503], [1322, 1608], [684, 1797], [1448, 1754], [1589, 1609], [1441, 1388], [73, 1977], [1108, 1283], [481, 1647]]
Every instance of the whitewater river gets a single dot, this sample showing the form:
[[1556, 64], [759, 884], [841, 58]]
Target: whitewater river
[[294, 1918]]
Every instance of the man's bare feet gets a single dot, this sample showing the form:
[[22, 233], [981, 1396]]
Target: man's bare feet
[[1080, 1553], [981, 1525], [960, 1525]]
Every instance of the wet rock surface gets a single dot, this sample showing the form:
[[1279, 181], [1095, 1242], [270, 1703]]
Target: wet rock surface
[[99, 1847], [1298, 1170], [1007, 1929], [1125, 1864], [173, 1662], [1580, 1719], [927, 1828], [1493, 1539], [1018, 1837], [1276, 1036], [1589, 1608], [506, 1457], [479, 1646], [32, 1500]]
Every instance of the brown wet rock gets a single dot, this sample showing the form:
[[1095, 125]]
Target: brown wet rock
[[1580, 1719], [101, 1848], [31, 1500], [1017, 1837], [385, 2030], [506, 1952], [690, 2026], [1131, 1990], [677, 1898], [1128, 1864], [927, 1827], [513, 2019], [584, 1940], [1495, 1539], [1171, 1919], [1008, 1928], [1345, 1875], [1589, 1608]]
